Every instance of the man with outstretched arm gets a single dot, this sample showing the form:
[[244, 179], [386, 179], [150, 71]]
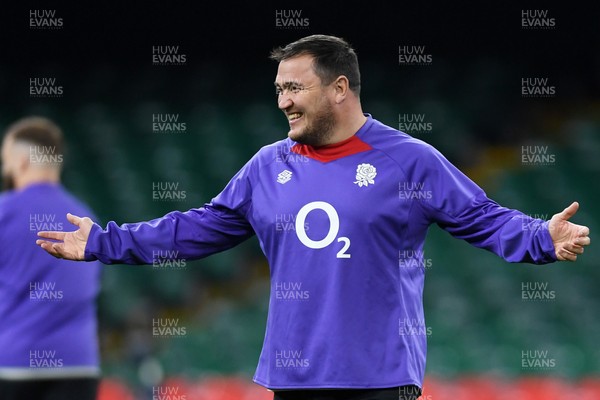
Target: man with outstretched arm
[[359, 193]]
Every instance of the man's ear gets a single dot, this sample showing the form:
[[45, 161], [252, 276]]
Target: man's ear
[[341, 87], [22, 162]]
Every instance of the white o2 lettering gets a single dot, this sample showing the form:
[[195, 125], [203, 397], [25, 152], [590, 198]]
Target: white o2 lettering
[[334, 227], [342, 253], [334, 224]]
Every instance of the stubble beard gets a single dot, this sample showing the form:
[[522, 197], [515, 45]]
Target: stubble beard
[[320, 130]]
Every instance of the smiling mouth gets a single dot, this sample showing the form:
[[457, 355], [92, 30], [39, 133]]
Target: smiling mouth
[[294, 116]]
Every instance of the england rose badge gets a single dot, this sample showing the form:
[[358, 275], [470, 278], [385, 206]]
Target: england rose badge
[[365, 175]]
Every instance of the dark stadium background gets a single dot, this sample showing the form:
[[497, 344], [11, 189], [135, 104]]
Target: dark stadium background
[[471, 94]]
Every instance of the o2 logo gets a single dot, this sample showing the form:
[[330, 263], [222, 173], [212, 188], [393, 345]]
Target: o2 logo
[[334, 227]]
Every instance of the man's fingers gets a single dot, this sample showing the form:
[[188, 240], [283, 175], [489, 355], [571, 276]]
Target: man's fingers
[[40, 242], [57, 250], [576, 249], [74, 219], [55, 235], [569, 211], [565, 255], [583, 241], [43, 243], [573, 248], [584, 231], [49, 247]]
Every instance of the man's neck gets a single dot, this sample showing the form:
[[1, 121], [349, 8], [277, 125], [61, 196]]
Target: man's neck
[[347, 127], [28, 180]]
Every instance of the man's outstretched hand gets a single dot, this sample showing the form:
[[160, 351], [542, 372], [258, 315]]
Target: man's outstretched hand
[[68, 245], [568, 238]]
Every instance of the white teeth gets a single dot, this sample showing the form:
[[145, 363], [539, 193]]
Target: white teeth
[[294, 116]]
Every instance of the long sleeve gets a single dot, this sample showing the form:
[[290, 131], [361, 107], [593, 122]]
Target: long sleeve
[[462, 208], [197, 233]]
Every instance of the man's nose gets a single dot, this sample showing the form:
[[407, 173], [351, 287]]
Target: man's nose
[[284, 101]]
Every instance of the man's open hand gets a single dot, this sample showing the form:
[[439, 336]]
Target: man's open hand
[[568, 238], [67, 245]]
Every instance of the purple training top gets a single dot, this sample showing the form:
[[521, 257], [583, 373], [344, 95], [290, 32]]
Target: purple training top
[[343, 228], [48, 322]]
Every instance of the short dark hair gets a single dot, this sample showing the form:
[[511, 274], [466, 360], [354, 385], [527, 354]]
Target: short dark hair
[[38, 131], [333, 56]]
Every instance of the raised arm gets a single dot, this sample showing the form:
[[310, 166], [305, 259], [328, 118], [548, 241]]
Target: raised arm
[[460, 207], [217, 226], [187, 235]]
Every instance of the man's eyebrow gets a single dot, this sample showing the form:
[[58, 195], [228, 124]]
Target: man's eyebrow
[[287, 84]]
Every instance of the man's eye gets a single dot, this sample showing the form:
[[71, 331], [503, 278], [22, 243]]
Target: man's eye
[[291, 88]]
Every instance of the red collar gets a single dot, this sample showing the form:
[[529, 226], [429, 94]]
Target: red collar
[[334, 151]]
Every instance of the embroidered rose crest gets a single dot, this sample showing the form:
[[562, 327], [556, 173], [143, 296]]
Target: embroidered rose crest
[[365, 175]]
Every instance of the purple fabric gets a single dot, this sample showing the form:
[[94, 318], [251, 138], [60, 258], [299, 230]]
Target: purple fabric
[[346, 305], [46, 304]]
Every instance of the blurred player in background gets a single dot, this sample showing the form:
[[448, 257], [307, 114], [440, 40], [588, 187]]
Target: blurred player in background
[[359, 193], [48, 327]]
